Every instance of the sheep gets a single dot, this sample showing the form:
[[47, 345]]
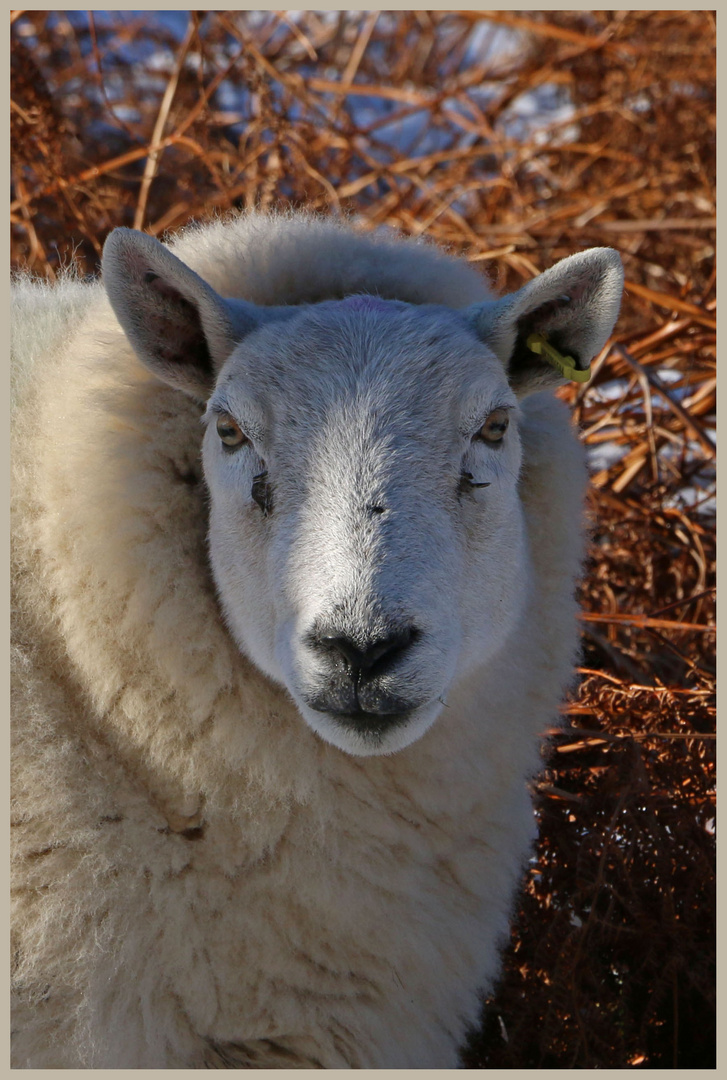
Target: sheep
[[297, 522]]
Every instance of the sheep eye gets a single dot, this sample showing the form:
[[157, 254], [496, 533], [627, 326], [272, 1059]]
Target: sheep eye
[[495, 426], [230, 431]]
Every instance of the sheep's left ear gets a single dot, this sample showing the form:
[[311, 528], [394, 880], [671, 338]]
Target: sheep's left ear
[[574, 305]]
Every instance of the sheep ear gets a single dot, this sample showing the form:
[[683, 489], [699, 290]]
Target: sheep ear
[[180, 328], [574, 305]]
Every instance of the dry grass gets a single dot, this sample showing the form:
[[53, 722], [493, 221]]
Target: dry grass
[[401, 119]]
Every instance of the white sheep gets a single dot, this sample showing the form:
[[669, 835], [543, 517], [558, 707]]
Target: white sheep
[[284, 642]]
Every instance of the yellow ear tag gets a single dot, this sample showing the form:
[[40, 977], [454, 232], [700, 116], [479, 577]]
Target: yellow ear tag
[[539, 344]]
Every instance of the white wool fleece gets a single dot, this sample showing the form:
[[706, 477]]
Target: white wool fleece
[[208, 871]]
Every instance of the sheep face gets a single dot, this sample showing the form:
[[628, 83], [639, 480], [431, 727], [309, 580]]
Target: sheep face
[[362, 458], [366, 535]]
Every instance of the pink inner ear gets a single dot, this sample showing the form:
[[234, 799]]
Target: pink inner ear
[[158, 285], [365, 303]]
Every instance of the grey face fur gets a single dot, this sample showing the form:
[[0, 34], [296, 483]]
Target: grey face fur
[[370, 542], [366, 533]]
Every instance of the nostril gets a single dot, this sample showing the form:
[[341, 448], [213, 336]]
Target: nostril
[[363, 659]]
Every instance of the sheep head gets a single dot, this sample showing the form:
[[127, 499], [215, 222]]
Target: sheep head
[[362, 456]]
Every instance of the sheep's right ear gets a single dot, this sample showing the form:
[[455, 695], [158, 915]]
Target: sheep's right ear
[[180, 328]]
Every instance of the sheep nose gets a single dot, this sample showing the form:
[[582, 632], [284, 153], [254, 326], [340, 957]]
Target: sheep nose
[[366, 661]]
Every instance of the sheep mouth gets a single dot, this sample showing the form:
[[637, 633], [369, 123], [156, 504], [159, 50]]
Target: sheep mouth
[[372, 724], [365, 733], [342, 704]]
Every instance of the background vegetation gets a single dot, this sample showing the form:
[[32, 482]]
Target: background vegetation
[[514, 139]]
